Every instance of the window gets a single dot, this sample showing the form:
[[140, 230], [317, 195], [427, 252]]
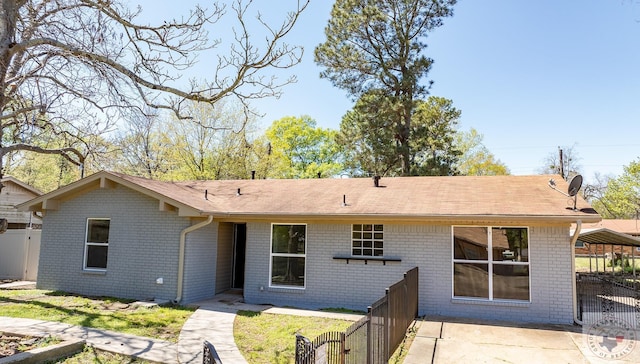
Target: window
[[491, 263], [96, 244], [288, 255], [367, 240]]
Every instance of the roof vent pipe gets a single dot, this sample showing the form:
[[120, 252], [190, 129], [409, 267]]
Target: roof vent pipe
[[344, 200], [319, 174], [206, 193], [376, 181], [253, 174], [238, 193]]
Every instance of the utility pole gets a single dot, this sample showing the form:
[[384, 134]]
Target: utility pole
[[561, 163]]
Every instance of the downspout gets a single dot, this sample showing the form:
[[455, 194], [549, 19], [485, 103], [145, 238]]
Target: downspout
[[183, 238], [574, 239]]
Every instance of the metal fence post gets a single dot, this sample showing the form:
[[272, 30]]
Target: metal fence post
[[343, 358], [387, 325], [369, 336]]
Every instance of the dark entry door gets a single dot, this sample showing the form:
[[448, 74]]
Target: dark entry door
[[239, 249]]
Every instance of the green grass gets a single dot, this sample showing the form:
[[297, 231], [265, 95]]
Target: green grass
[[269, 338], [582, 265], [343, 310], [101, 313]]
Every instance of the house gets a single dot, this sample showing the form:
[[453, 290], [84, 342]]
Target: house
[[20, 243], [494, 247], [15, 192]]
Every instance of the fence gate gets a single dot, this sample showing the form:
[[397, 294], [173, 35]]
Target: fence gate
[[601, 297]]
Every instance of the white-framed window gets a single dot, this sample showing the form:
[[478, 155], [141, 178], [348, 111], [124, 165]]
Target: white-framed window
[[96, 247], [288, 255], [491, 263], [367, 240]]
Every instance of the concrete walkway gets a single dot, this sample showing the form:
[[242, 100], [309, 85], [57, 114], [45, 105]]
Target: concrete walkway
[[445, 340], [142, 347], [213, 321]]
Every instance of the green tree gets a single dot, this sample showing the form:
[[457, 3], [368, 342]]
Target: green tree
[[369, 137], [73, 67], [621, 198], [49, 171], [475, 158], [432, 149], [300, 149], [379, 44]]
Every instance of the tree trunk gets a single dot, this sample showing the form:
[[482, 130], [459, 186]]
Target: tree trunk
[[7, 40], [405, 137]]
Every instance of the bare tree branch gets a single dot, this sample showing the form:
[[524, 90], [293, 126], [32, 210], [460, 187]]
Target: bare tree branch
[[84, 64]]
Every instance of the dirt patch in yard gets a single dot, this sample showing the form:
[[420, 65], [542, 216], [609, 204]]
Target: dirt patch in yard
[[13, 344]]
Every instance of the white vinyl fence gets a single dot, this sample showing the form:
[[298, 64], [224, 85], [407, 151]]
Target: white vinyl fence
[[19, 253]]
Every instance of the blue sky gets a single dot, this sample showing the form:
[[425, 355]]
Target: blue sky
[[528, 75]]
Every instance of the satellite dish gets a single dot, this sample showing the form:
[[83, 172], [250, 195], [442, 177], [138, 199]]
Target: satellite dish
[[572, 191], [574, 185]]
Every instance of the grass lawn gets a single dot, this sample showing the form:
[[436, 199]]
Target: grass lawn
[[582, 265], [101, 313], [270, 338]]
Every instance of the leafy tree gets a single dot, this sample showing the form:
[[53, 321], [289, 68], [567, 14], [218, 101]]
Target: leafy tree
[[565, 163], [300, 149], [70, 67], [432, 150], [621, 199], [369, 137], [475, 158], [379, 44], [50, 171]]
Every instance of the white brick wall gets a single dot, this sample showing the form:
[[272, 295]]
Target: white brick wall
[[143, 246], [200, 264], [334, 283]]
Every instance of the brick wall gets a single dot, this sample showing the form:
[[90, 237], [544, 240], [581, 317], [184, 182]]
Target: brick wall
[[143, 246], [334, 283], [200, 263]]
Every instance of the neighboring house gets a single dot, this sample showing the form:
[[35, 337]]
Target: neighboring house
[[612, 241], [487, 247], [20, 244], [15, 192]]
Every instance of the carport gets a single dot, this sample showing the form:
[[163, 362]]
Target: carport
[[610, 288]]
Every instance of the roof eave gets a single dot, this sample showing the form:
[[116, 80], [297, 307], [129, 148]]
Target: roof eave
[[409, 218], [104, 179]]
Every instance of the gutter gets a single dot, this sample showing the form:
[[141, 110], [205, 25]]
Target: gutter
[[574, 238], [183, 238]]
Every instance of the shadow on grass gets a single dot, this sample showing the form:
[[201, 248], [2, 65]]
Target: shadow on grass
[[250, 314], [96, 312]]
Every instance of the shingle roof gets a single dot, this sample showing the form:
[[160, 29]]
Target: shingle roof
[[466, 198], [630, 227]]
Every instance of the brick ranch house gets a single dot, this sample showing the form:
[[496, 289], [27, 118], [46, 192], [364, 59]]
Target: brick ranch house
[[487, 247]]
